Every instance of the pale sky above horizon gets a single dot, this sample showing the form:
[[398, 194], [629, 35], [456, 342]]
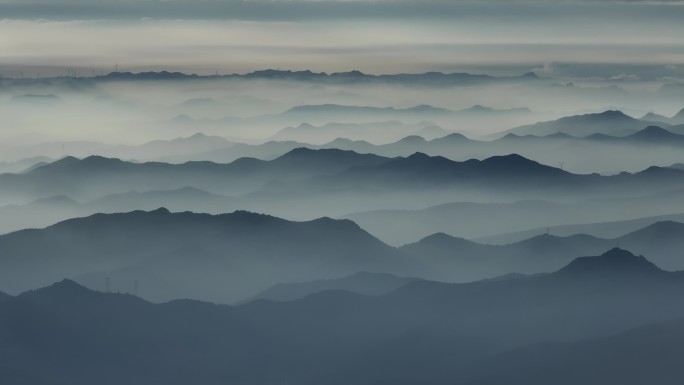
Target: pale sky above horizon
[[373, 36]]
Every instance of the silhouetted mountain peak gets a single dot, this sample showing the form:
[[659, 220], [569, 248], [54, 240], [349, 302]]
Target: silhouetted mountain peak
[[613, 261], [479, 108], [161, 211], [198, 136], [653, 132], [679, 115], [90, 162], [65, 287], [518, 163], [339, 224], [352, 73], [560, 135], [453, 137], [325, 154], [659, 230], [412, 139], [652, 116], [613, 115], [443, 239], [61, 164], [427, 108], [150, 75], [306, 125]]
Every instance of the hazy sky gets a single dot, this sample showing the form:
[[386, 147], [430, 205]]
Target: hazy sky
[[373, 36]]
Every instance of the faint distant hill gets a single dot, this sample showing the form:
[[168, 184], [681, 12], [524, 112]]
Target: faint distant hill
[[186, 198], [469, 260], [378, 132], [586, 320], [355, 76], [37, 99], [176, 147], [199, 102], [361, 283], [649, 135], [484, 110], [633, 152], [434, 79], [48, 211], [151, 75], [614, 123], [612, 229], [676, 119], [25, 164], [307, 110]]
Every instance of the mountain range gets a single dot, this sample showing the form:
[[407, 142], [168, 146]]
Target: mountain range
[[96, 176], [630, 151], [463, 260], [500, 222], [355, 76], [234, 256], [490, 332], [331, 182], [611, 122], [237, 256], [676, 119]]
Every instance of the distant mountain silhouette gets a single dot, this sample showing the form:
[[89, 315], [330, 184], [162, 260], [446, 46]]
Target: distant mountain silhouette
[[341, 109], [501, 223], [615, 261], [649, 135], [655, 133], [186, 198], [653, 117], [96, 176], [354, 76], [360, 283], [40, 99], [581, 154], [428, 78], [199, 102], [458, 259], [178, 147], [437, 169], [509, 177], [479, 109], [373, 131], [609, 122], [162, 75], [676, 119], [24, 165]]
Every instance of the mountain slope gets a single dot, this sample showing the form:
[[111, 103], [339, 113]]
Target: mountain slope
[[457, 259], [647, 354], [609, 123], [95, 176], [233, 255], [360, 283], [422, 332]]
